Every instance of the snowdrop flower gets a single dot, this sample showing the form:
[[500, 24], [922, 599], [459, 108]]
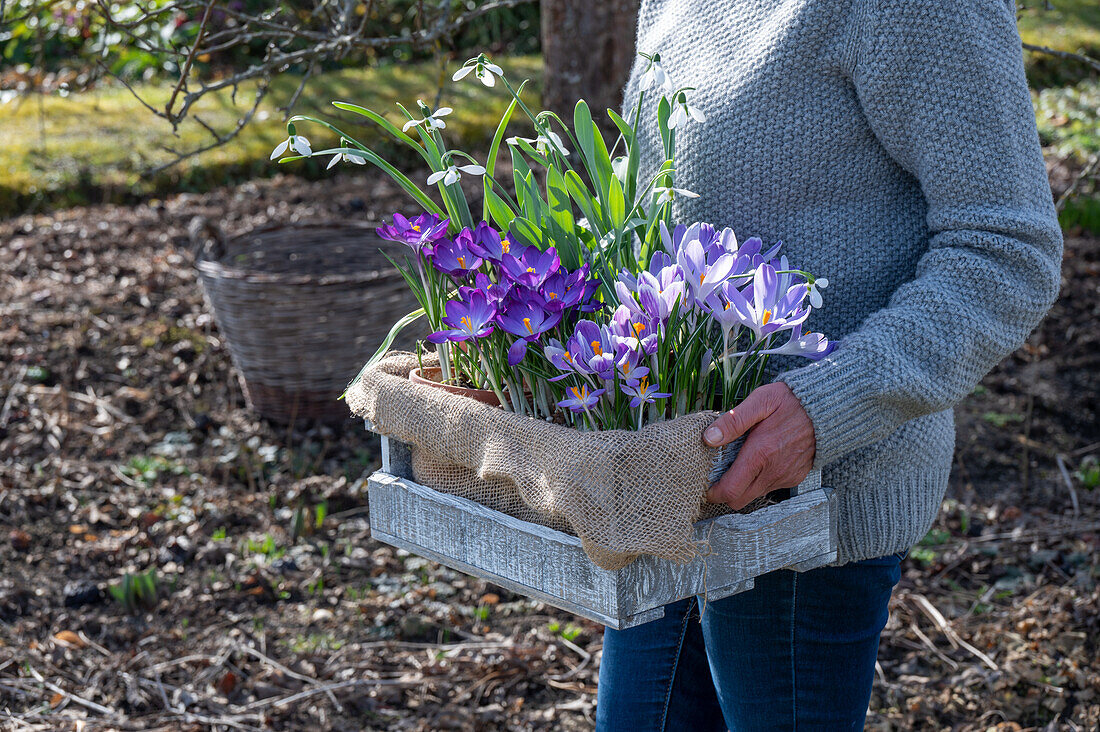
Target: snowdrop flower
[[485, 71], [682, 110], [431, 121], [348, 157], [453, 173], [296, 143], [543, 143], [815, 287], [664, 194], [656, 76]]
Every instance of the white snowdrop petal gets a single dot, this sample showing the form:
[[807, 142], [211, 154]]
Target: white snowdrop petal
[[462, 73], [436, 177], [450, 177], [697, 114], [356, 159], [472, 169], [815, 298], [410, 124], [442, 112], [334, 161], [495, 69], [280, 149], [821, 283]]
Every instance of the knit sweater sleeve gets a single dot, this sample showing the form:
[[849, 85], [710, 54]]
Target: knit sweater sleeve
[[942, 86]]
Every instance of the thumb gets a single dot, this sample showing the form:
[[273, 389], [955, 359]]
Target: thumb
[[739, 420]]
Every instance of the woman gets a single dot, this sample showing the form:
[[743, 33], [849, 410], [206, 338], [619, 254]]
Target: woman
[[891, 145]]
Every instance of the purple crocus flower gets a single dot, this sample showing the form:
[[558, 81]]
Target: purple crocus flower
[[593, 349], [625, 323], [488, 243], [530, 267], [762, 306], [495, 292], [453, 257], [703, 273], [580, 399], [563, 359], [469, 318], [654, 299], [627, 362], [417, 234], [524, 314], [563, 290], [642, 392]]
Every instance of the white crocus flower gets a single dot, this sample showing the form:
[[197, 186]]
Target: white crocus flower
[[815, 288], [453, 173], [656, 76], [664, 194], [681, 111], [297, 143], [432, 121], [348, 157], [485, 71], [543, 143]]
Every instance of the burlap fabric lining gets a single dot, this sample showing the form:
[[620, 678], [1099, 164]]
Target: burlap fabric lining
[[623, 493]]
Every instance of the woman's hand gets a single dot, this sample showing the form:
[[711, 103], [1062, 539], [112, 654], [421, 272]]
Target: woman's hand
[[778, 453]]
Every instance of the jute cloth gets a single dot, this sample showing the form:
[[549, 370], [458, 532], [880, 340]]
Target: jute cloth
[[623, 493]]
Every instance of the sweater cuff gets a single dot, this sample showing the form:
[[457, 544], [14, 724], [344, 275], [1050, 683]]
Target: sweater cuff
[[836, 393]]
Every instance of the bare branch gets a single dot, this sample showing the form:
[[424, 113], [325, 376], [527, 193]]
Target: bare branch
[[1080, 58]]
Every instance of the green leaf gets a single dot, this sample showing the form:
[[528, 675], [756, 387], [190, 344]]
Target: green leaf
[[386, 125], [616, 204], [527, 233], [557, 197], [398, 177], [399, 326], [580, 193], [664, 111], [497, 208], [632, 161]]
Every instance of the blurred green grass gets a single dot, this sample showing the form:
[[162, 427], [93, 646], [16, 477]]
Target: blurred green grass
[[93, 147]]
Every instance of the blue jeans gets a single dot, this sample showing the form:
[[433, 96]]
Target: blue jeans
[[795, 652]]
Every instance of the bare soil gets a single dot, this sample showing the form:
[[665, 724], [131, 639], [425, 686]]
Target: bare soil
[[125, 446]]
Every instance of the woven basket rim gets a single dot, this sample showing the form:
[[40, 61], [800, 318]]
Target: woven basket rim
[[216, 268]]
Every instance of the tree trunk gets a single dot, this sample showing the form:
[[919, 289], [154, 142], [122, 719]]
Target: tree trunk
[[587, 50]]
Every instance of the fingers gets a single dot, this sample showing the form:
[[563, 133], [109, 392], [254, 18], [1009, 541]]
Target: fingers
[[757, 406], [750, 476]]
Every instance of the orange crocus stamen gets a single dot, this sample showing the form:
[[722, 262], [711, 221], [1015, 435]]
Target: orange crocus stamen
[[504, 244], [530, 269], [596, 348], [767, 317], [568, 356], [462, 262], [416, 229], [702, 277], [638, 328], [467, 323], [527, 322]]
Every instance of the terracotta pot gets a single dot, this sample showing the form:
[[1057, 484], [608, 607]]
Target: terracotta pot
[[432, 376]]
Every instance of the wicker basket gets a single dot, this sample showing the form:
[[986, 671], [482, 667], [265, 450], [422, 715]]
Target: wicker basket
[[302, 307]]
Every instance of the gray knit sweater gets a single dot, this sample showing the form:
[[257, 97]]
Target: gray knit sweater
[[891, 145]]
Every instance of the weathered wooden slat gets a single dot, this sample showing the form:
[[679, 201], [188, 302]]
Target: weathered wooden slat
[[551, 566]]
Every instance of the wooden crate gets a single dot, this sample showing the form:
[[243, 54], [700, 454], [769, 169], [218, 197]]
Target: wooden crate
[[548, 565]]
